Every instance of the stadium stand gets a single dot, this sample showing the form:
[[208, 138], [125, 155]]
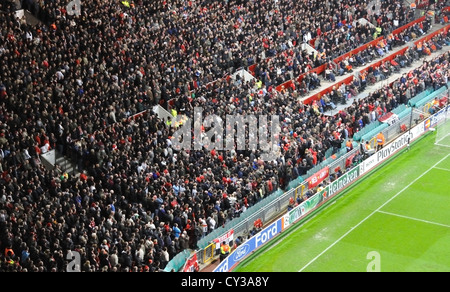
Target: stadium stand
[[84, 86]]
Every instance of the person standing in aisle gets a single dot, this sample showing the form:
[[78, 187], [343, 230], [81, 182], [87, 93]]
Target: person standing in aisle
[[380, 141]]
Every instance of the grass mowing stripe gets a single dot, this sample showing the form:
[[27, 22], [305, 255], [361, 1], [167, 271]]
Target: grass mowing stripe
[[370, 215], [415, 219]]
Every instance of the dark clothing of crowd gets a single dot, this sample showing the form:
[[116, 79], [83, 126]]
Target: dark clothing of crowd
[[75, 84]]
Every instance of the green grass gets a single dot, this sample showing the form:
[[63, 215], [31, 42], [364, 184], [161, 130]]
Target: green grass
[[400, 211]]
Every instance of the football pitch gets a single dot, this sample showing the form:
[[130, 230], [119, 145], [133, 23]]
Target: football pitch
[[395, 219]]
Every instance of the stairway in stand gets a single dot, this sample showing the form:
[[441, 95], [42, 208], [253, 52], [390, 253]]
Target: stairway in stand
[[65, 165]]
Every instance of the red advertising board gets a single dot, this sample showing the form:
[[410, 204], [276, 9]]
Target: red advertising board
[[318, 177]]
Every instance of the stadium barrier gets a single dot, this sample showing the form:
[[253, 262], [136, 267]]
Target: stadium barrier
[[406, 26], [375, 131], [418, 97], [432, 96], [335, 187], [358, 135], [348, 80]]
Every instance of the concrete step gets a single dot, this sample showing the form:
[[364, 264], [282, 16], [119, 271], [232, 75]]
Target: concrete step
[[65, 165], [60, 160]]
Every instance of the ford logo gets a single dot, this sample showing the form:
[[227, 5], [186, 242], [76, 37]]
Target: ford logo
[[241, 252]]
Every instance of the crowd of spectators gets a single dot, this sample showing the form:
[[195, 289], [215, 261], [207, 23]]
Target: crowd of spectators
[[374, 74], [337, 29], [73, 83], [311, 80]]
